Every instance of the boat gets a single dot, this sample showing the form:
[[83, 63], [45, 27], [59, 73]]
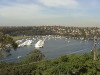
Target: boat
[[25, 43], [39, 44]]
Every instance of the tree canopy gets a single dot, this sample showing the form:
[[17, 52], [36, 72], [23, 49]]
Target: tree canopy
[[6, 43], [35, 64]]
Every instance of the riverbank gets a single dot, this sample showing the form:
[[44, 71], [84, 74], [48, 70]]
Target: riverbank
[[20, 37]]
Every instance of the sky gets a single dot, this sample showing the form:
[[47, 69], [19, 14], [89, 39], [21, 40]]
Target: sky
[[50, 12]]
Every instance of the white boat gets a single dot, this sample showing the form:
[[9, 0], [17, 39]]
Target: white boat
[[19, 41], [39, 44], [26, 43]]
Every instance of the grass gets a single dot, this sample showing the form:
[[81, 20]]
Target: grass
[[20, 37]]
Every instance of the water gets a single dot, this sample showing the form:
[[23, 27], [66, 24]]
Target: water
[[54, 48]]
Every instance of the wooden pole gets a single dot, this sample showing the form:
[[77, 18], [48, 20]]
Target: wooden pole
[[94, 49]]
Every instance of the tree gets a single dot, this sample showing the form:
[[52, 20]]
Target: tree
[[6, 43], [98, 53], [34, 56]]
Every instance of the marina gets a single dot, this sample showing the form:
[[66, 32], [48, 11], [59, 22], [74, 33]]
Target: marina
[[51, 48]]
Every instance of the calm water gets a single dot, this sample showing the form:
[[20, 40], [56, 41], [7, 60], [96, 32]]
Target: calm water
[[54, 48]]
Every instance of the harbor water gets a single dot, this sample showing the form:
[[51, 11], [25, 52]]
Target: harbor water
[[53, 48]]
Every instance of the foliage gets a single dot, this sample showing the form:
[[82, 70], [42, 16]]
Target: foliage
[[64, 65], [34, 56], [98, 53], [6, 43], [75, 32]]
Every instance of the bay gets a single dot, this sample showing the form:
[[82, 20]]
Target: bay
[[53, 48]]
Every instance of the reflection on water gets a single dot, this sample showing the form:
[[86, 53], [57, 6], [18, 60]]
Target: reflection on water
[[54, 48]]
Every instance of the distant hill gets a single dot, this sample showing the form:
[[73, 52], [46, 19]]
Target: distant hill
[[77, 32]]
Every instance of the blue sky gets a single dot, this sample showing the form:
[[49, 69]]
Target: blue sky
[[50, 12]]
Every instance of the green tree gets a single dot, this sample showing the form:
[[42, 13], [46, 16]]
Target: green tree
[[98, 53], [6, 43], [34, 56]]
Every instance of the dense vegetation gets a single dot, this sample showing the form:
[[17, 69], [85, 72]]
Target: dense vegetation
[[76, 32], [6, 44], [37, 64]]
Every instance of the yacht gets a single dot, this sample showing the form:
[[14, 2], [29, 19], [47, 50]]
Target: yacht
[[39, 44]]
